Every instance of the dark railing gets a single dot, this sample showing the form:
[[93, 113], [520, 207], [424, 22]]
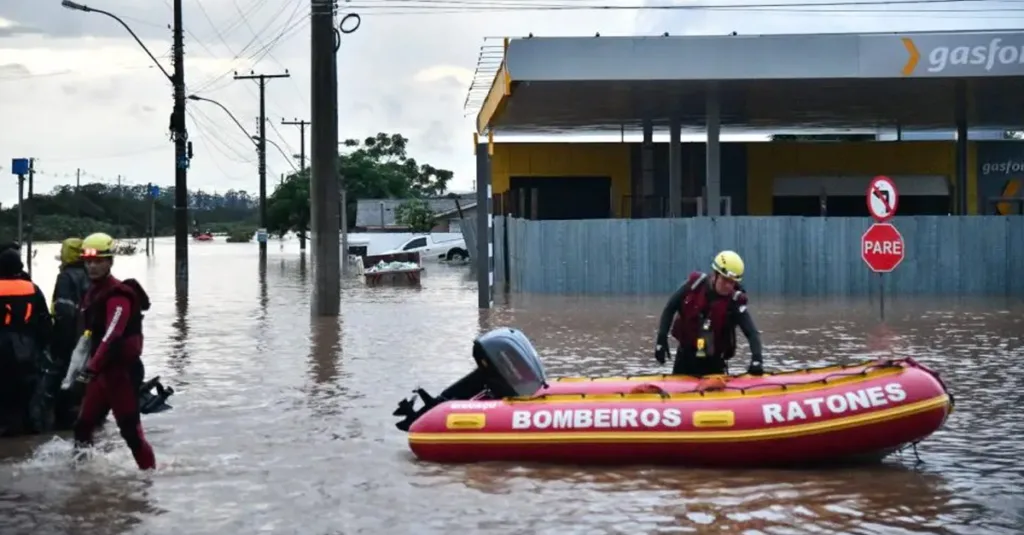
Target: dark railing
[[657, 206], [521, 203]]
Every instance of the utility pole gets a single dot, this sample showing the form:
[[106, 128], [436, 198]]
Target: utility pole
[[31, 216], [262, 148], [302, 140], [78, 184], [120, 199], [151, 226], [302, 167], [323, 191], [182, 150]]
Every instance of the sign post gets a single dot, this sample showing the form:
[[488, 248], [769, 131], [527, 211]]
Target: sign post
[[22, 167], [881, 246]]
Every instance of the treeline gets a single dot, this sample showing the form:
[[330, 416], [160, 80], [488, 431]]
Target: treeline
[[378, 167], [124, 212]]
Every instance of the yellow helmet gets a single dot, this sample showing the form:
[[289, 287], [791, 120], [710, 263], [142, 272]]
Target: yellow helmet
[[729, 265], [70, 250], [98, 245]]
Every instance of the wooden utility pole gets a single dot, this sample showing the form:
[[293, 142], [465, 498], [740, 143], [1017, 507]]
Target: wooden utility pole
[[181, 157], [262, 147], [302, 167], [31, 215], [302, 140]]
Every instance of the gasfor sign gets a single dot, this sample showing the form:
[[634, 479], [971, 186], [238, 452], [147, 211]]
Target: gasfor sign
[[963, 54], [881, 247]]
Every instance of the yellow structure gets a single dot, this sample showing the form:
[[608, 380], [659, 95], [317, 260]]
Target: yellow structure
[[563, 160], [765, 161]]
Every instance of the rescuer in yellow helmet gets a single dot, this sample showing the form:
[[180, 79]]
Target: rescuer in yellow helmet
[[112, 309], [68, 291], [706, 311]]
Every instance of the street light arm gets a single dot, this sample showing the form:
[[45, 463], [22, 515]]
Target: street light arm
[[81, 7], [227, 111]]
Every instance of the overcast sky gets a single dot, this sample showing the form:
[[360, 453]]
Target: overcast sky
[[77, 93]]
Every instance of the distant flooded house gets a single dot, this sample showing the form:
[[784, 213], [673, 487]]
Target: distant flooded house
[[378, 215]]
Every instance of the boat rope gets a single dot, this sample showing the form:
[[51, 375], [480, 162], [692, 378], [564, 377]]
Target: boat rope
[[918, 461]]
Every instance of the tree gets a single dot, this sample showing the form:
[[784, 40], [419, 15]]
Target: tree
[[288, 206], [415, 214], [380, 168], [377, 167], [124, 211]]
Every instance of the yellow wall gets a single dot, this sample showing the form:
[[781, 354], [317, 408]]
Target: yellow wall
[[562, 160], [768, 160]]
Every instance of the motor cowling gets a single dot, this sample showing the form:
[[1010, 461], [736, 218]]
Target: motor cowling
[[507, 365]]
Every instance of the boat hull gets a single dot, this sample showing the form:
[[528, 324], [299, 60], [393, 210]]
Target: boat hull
[[866, 414]]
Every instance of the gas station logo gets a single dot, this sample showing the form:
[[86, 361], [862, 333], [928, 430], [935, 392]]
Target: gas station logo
[[1010, 190], [986, 57]]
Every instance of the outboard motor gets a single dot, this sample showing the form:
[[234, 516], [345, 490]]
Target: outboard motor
[[153, 396], [507, 365]]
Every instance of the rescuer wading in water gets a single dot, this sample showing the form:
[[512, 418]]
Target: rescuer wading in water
[[706, 311], [112, 310]]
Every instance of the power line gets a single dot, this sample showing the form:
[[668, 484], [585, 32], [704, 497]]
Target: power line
[[415, 7], [285, 28]]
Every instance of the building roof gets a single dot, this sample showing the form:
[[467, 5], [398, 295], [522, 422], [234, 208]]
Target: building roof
[[544, 84], [380, 213]]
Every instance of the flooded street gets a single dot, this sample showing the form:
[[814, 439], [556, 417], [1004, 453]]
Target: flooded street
[[283, 425]]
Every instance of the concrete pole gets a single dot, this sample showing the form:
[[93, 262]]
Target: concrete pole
[[647, 172], [713, 180], [675, 168], [961, 147], [484, 254], [323, 189]]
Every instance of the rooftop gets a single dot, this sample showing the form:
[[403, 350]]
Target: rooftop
[[561, 84]]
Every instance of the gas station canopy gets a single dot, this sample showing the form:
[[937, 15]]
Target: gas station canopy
[[560, 84]]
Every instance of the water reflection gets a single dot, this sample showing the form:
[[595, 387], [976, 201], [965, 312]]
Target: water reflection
[[325, 350], [179, 356], [651, 500]]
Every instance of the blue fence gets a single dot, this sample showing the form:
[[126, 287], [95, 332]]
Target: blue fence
[[945, 255]]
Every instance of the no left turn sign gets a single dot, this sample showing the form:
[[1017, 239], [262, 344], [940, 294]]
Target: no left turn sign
[[882, 198]]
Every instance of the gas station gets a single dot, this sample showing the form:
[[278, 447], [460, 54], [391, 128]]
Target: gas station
[[914, 81]]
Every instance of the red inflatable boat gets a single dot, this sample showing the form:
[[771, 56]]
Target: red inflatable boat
[[835, 414]]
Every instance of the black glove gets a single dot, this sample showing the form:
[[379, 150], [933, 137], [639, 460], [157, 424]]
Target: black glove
[[661, 351], [756, 367]]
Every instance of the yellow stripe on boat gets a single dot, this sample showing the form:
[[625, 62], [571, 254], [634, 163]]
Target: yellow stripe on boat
[[790, 431]]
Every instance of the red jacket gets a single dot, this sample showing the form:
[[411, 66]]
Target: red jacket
[[113, 310]]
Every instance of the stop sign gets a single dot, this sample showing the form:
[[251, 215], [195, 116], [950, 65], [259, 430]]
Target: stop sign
[[881, 247]]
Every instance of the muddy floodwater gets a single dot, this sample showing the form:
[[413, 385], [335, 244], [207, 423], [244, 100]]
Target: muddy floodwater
[[282, 423]]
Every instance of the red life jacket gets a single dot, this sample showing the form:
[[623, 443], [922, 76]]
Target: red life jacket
[[699, 306], [94, 309]]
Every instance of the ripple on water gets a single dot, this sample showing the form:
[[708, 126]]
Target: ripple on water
[[281, 424]]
